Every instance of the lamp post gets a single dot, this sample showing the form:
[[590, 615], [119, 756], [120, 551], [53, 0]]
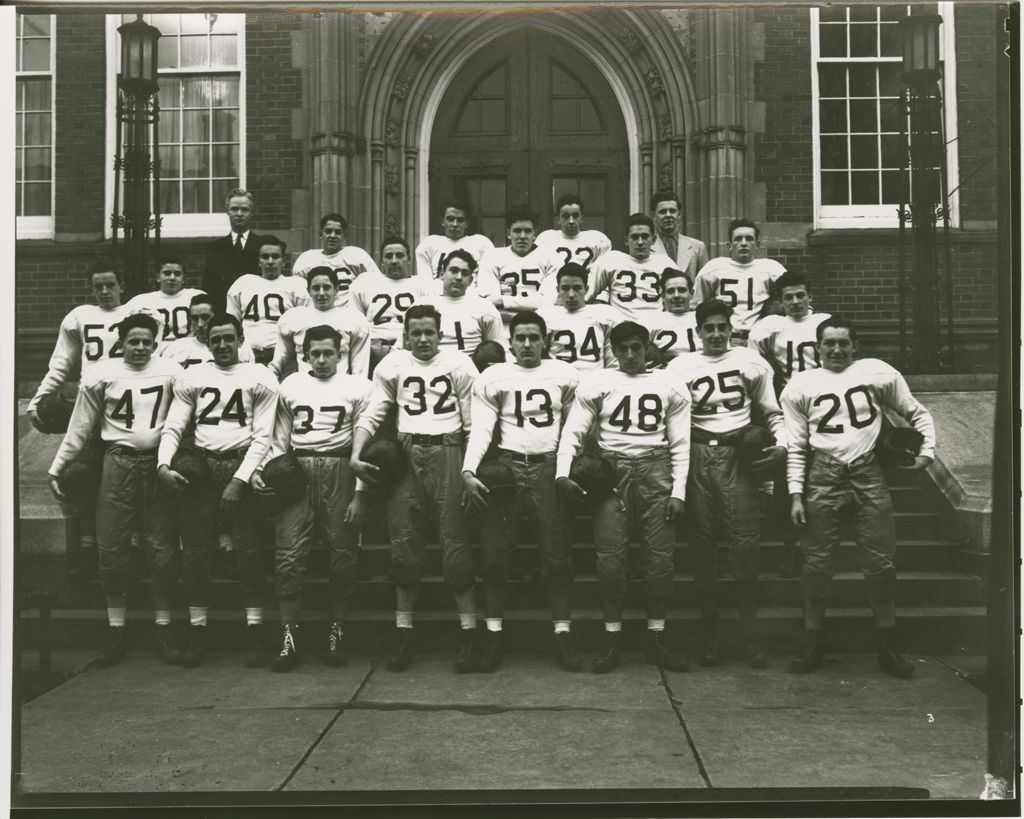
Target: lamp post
[[926, 152], [138, 115]]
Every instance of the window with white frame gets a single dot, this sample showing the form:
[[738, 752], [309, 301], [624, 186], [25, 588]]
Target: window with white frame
[[201, 73], [856, 85], [34, 126]]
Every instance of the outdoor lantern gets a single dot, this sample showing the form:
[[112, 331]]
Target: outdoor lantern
[[920, 48], [138, 57]]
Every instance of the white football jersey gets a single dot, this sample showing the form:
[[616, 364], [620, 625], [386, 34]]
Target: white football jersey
[[529, 405], [787, 344], [432, 252], [433, 397], [129, 405], [580, 338], [634, 414], [318, 413], [87, 335], [383, 301], [674, 334], [840, 414], [523, 282], [466, 321], [634, 287], [229, 407], [259, 304], [348, 263], [170, 310], [725, 389], [744, 287], [291, 334], [583, 248], [190, 350]]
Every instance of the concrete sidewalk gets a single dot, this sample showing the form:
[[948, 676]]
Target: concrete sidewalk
[[142, 726]]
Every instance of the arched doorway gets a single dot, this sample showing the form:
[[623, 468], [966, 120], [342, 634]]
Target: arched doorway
[[527, 119]]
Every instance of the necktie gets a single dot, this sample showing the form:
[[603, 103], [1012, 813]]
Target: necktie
[[238, 242]]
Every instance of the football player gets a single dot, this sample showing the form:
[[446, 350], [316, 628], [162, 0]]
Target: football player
[[834, 417], [570, 241], [193, 348], [633, 279], [354, 329], [258, 302], [230, 407], [674, 330], [432, 251], [688, 254], [170, 301], [729, 385], [643, 432], [526, 400], [125, 400], [578, 332], [466, 318], [347, 261], [316, 412], [739, 279], [432, 390]]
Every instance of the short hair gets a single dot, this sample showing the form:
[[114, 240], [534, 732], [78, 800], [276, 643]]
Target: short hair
[[790, 279], [456, 203], [460, 253], [220, 319], [712, 307], [572, 269], [272, 240], [744, 222], [568, 199], [664, 195], [626, 330], [231, 194], [135, 321], [164, 260], [393, 240], [639, 219], [321, 332], [675, 273], [333, 217], [839, 323], [422, 311], [202, 298], [101, 264], [527, 317], [520, 213], [322, 270]]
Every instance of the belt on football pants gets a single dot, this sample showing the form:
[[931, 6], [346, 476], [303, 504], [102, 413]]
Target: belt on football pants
[[417, 439], [700, 436], [525, 457], [227, 455], [121, 449], [343, 452]]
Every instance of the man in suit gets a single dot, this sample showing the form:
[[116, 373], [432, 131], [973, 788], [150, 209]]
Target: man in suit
[[234, 255], [689, 254]]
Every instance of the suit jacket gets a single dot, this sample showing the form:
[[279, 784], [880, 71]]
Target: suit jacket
[[224, 264], [691, 254]]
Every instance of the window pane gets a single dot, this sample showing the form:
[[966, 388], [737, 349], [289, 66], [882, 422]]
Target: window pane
[[834, 189], [37, 95], [37, 163], [493, 84], [170, 125], [19, 130], [195, 160], [891, 111], [167, 52], [169, 92], [35, 55], [224, 49], [195, 197], [18, 160], [588, 116], [863, 116], [832, 14], [893, 12], [469, 119], [562, 84], [889, 75], [890, 46], [593, 193], [864, 188], [224, 91], [169, 201], [221, 187], [892, 151], [863, 13], [37, 199], [195, 51], [197, 126], [863, 41], [225, 126], [194, 23], [492, 195], [862, 80], [167, 23], [492, 115], [832, 80], [197, 92], [563, 115], [225, 160], [37, 129], [170, 163], [833, 116], [832, 41], [863, 152], [35, 25], [891, 189], [833, 152]]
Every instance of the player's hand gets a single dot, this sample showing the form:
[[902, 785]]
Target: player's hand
[[354, 512], [367, 471], [175, 480], [33, 417], [258, 485], [571, 489], [771, 456], [232, 495], [797, 513], [675, 509], [55, 488], [920, 462], [474, 494]]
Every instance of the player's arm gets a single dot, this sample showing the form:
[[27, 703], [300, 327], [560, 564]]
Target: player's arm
[[598, 280], [583, 415], [569, 395], [233, 302], [180, 413], [491, 326], [264, 411], [896, 394], [485, 410], [604, 244], [423, 266], [382, 398], [280, 441], [84, 419], [359, 348], [677, 430], [357, 299], [366, 260], [798, 437], [762, 393], [284, 350], [463, 378], [360, 403], [705, 286], [762, 341], [66, 357], [488, 285]]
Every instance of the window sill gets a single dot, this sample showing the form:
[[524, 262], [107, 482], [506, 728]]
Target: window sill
[[823, 237]]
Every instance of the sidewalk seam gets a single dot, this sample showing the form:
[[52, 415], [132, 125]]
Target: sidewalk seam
[[686, 731]]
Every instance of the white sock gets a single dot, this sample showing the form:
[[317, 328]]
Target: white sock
[[253, 617], [163, 618], [227, 543], [561, 626], [656, 625], [613, 627], [403, 619], [493, 624], [115, 616], [197, 615], [467, 620]]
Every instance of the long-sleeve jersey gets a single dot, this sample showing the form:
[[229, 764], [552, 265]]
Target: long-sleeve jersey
[[87, 335], [171, 311], [634, 414], [259, 304], [581, 338], [384, 300], [190, 350], [318, 414], [674, 334], [583, 248], [529, 405], [230, 407], [634, 287], [789, 345], [433, 397], [466, 321], [727, 388], [523, 282], [128, 405], [840, 414], [291, 333], [744, 287], [433, 251], [348, 264]]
